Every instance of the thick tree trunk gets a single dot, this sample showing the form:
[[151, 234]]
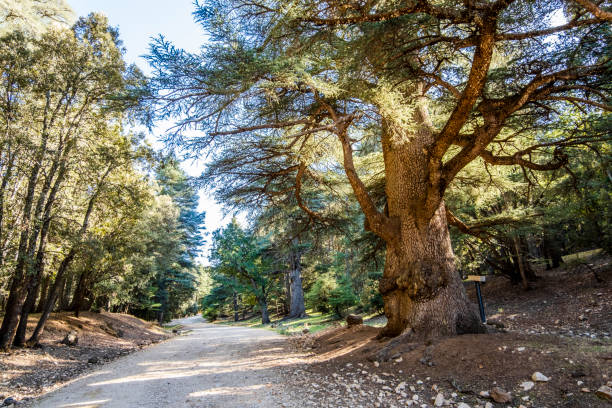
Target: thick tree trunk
[[265, 317], [296, 302], [421, 286]]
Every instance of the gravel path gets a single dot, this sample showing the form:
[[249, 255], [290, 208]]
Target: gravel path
[[211, 366]]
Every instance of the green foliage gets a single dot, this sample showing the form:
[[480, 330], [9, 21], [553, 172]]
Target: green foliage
[[34, 16], [319, 296], [330, 293], [343, 296], [76, 191], [243, 260]]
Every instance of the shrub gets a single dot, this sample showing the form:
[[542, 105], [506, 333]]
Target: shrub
[[329, 293], [343, 296], [318, 297], [211, 313]]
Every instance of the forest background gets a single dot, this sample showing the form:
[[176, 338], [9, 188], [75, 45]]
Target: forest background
[[94, 218]]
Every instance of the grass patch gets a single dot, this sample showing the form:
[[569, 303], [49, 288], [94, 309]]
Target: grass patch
[[314, 322]]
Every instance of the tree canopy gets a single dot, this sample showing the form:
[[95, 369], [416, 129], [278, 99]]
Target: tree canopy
[[399, 96]]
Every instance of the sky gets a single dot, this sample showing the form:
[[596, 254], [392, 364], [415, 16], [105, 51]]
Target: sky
[[139, 21]]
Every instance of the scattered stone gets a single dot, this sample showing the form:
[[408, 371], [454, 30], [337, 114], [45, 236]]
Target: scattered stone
[[582, 318], [93, 360], [520, 349], [376, 364], [463, 405], [585, 390], [527, 385], [488, 405], [353, 320], [499, 395], [538, 376], [439, 401], [604, 392], [71, 339], [484, 394]]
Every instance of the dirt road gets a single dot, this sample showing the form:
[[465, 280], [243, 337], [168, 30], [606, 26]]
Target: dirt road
[[211, 366]]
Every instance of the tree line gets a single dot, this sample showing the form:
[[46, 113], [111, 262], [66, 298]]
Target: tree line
[[91, 217], [379, 151]]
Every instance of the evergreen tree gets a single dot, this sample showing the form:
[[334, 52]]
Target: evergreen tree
[[287, 89]]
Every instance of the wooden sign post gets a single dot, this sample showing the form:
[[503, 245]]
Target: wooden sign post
[[477, 279]]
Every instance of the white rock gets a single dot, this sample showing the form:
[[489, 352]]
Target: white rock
[[538, 376], [463, 405], [579, 382], [489, 405], [520, 349], [527, 385], [376, 364], [415, 397], [439, 401], [484, 394], [604, 392]]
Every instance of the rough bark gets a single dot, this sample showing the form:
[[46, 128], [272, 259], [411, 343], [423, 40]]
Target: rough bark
[[296, 294], [421, 286], [265, 316]]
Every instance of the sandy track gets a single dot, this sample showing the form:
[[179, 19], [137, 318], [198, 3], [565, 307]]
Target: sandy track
[[212, 366]]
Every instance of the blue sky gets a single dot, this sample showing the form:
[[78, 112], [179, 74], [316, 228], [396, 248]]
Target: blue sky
[[140, 20]]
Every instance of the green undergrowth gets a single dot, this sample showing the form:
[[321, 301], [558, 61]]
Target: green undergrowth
[[314, 322]]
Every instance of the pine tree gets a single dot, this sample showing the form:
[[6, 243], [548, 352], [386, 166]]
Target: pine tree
[[287, 90]]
